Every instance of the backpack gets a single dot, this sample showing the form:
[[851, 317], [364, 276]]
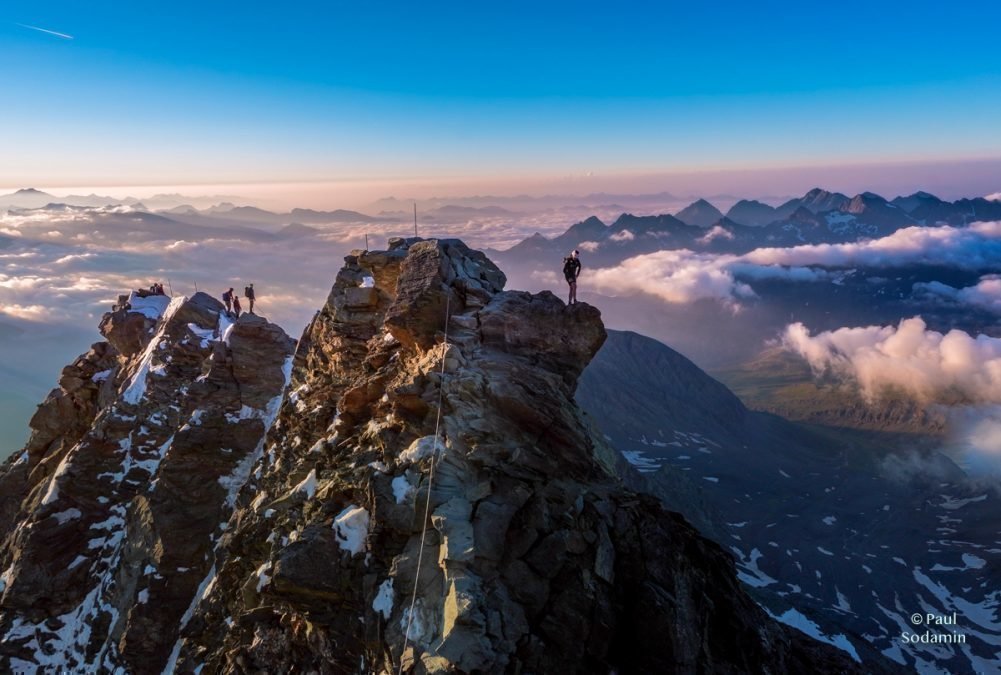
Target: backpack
[[227, 296], [248, 292]]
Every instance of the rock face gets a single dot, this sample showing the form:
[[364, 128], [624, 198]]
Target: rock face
[[428, 498], [444, 506], [109, 516]]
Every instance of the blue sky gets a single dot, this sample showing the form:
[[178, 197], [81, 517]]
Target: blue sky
[[223, 92]]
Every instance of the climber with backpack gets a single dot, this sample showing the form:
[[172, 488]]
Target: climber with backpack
[[248, 292], [227, 298], [571, 270]]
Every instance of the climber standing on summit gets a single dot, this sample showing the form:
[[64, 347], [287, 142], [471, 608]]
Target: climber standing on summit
[[571, 270], [248, 293], [227, 297]]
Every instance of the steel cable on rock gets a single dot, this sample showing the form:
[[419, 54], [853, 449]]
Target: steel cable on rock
[[427, 503]]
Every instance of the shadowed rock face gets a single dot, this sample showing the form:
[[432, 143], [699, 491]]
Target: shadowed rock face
[[109, 515], [535, 558]]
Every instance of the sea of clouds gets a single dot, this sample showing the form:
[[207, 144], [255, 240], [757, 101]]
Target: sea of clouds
[[61, 269], [682, 276]]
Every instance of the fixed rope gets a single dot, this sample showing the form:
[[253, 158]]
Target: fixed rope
[[427, 503]]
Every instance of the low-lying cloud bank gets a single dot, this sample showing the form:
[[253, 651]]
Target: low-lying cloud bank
[[677, 276], [681, 275], [931, 366], [986, 294], [975, 246]]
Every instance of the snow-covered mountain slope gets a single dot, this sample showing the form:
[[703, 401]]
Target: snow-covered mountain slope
[[832, 530]]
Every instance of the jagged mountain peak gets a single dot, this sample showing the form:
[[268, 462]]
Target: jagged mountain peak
[[529, 531], [751, 212], [819, 200], [429, 498], [132, 466], [699, 213]]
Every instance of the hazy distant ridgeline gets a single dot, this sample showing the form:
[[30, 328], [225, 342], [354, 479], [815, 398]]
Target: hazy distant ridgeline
[[714, 289]]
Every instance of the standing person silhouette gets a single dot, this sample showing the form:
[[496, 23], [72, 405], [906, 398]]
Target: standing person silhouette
[[236, 305], [227, 297], [248, 293], [571, 270]]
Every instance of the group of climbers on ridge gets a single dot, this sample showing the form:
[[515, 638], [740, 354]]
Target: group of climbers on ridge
[[233, 301], [156, 288]]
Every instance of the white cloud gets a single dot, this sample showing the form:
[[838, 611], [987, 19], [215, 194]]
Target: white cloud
[[986, 294], [684, 276], [954, 367], [25, 312], [975, 246], [717, 232], [681, 275], [676, 276], [623, 235]]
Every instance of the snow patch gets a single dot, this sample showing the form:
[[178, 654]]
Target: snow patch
[[402, 489], [152, 306], [136, 387], [351, 526], [234, 481], [263, 578], [750, 573], [101, 376], [308, 485], [792, 617], [642, 463], [951, 504], [419, 449], [383, 603], [204, 335], [64, 517]]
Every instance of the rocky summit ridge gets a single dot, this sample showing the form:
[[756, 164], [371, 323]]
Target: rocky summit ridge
[[425, 497], [109, 516]]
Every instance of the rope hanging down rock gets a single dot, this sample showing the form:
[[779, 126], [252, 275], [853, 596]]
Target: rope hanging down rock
[[427, 503]]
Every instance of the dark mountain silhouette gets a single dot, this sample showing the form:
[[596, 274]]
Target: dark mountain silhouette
[[751, 212], [699, 213]]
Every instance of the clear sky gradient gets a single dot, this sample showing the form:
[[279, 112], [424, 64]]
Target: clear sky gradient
[[382, 95]]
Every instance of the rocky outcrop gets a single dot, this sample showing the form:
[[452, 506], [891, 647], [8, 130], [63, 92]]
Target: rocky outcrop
[[441, 505], [427, 496], [109, 516]]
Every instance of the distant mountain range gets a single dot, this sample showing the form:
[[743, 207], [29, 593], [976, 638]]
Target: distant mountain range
[[31, 198], [817, 217], [226, 213]]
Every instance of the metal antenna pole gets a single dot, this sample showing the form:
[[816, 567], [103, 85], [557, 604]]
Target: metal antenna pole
[[366, 241], [415, 219]]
